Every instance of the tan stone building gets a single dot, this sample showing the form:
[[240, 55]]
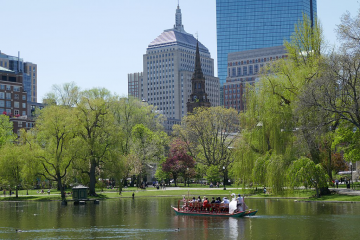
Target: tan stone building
[[168, 66]]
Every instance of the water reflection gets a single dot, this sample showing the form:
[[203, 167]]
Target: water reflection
[[153, 219]]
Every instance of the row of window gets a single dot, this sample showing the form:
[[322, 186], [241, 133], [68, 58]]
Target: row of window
[[9, 112], [8, 96], [8, 104], [256, 60], [8, 88], [244, 71]]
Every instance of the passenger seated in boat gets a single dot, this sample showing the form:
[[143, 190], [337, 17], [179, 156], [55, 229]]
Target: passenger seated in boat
[[225, 200], [193, 199], [218, 200], [199, 199], [213, 200], [240, 202], [205, 204]]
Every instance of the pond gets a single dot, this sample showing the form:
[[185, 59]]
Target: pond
[[152, 218]]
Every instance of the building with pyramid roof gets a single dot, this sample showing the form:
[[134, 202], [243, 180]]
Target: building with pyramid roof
[[168, 66]]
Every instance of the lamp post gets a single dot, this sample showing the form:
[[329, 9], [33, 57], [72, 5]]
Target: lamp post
[[188, 179], [351, 175], [224, 177]]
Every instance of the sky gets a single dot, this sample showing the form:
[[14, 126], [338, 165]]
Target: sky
[[97, 43]]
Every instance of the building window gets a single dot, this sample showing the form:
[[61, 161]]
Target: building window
[[8, 104], [16, 104], [23, 113], [17, 112], [24, 97], [8, 111], [2, 87], [233, 72], [8, 95], [23, 105], [251, 72], [2, 104], [8, 87], [2, 95], [16, 96]]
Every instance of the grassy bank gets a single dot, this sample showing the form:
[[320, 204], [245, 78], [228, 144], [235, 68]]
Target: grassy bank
[[35, 195]]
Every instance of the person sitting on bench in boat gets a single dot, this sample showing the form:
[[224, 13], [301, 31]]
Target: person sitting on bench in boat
[[225, 200], [240, 203], [199, 199], [205, 203]]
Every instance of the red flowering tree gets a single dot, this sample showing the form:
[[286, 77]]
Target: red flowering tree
[[179, 163]]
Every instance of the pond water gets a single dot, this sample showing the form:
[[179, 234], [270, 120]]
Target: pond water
[[152, 218]]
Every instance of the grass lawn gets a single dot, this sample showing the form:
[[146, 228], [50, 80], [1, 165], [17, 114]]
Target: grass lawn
[[36, 195], [337, 197]]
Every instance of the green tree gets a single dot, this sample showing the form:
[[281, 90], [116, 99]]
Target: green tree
[[304, 172], [209, 134], [148, 146], [96, 131], [275, 130], [55, 136], [11, 166], [67, 94], [6, 130], [213, 174], [129, 112]]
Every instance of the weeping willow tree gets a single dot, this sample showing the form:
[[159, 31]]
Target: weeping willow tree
[[272, 133]]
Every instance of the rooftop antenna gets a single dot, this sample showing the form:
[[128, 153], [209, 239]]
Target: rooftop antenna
[[197, 36], [18, 61]]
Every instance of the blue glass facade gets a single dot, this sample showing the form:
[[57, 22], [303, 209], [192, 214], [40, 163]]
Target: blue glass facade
[[253, 24]]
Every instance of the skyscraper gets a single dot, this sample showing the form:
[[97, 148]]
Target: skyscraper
[[252, 24], [168, 67]]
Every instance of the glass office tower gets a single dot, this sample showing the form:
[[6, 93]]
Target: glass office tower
[[253, 24]]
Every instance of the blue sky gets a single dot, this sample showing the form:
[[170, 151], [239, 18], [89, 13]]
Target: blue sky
[[97, 43]]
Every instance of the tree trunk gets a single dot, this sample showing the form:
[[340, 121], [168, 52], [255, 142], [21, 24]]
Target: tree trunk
[[17, 193], [92, 179], [313, 148], [59, 185], [317, 191]]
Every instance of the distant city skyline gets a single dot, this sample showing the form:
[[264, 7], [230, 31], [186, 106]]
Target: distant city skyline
[[96, 44]]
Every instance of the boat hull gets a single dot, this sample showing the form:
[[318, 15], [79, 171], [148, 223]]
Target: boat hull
[[211, 214]]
